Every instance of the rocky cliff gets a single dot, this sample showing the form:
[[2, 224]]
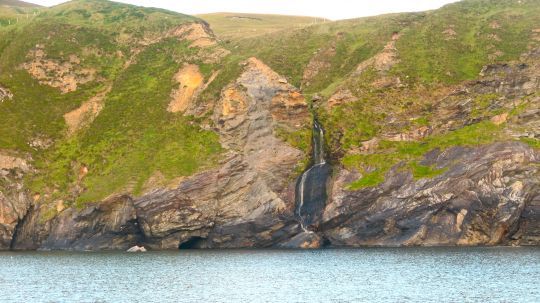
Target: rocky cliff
[[152, 131], [247, 201]]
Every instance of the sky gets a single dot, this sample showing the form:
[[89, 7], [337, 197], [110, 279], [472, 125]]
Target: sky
[[331, 9]]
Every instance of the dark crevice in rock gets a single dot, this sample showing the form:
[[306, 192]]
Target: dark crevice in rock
[[135, 225], [326, 242], [18, 228], [193, 243]]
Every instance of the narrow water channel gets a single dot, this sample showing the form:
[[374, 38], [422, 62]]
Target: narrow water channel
[[311, 192]]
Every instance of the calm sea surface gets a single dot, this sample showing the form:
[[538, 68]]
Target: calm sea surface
[[333, 275]]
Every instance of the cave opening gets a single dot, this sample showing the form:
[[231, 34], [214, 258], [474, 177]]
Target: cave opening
[[193, 243]]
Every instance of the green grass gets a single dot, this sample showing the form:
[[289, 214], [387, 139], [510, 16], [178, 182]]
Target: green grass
[[532, 142], [15, 16], [375, 166], [301, 139], [134, 136], [236, 26], [421, 171], [116, 17], [354, 41], [37, 110], [481, 106], [428, 55]]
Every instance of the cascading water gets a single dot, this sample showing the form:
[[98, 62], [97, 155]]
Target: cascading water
[[311, 186]]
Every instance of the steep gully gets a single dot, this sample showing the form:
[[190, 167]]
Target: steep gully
[[311, 189]]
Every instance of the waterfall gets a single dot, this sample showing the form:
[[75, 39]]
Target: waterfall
[[318, 144], [311, 186]]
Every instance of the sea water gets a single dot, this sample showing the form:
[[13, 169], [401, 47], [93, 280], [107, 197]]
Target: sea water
[[330, 275]]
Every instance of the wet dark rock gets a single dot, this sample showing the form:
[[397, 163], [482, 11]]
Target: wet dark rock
[[314, 195]]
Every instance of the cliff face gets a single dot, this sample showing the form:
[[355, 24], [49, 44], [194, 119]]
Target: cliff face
[[247, 201], [169, 138], [487, 196]]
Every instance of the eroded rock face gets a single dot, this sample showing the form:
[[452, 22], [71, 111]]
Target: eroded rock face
[[340, 97], [246, 202], [65, 76], [14, 200], [108, 225], [511, 85], [384, 60], [86, 113], [14, 205], [189, 80], [487, 196], [412, 135], [198, 33], [320, 62]]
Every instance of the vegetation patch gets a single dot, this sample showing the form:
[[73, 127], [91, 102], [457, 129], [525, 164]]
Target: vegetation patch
[[375, 166], [133, 137]]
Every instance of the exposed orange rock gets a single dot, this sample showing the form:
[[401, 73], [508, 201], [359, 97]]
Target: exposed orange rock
[[190, 80], [83, 171], [288, 105], [86, 113], [500, 119], [234, 101], [254, 65], [60, 206], [311, 244]]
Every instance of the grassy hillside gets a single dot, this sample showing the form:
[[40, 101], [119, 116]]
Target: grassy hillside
[[17, 3], [13, 13], [235, 26], [134, 137]]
